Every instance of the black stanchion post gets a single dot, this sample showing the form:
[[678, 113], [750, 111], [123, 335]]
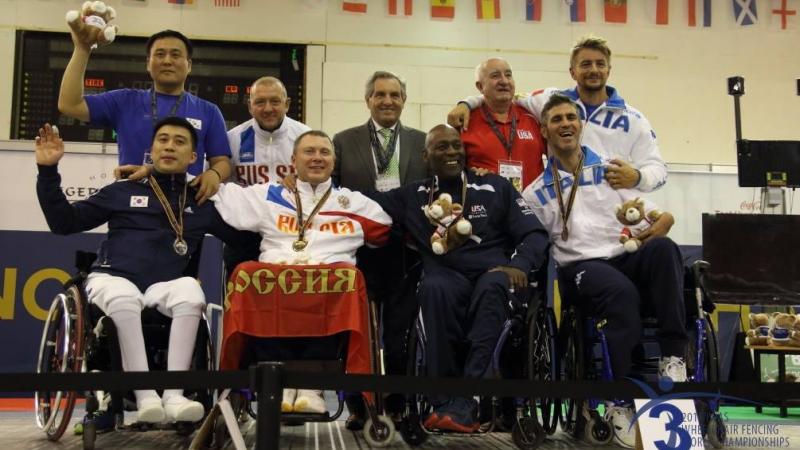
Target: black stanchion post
[[269, 387]]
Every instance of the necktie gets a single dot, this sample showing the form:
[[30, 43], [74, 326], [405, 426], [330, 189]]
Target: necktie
[[386, 134]]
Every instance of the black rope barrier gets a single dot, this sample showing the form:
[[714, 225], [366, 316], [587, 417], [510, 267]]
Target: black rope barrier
[[268, 380]]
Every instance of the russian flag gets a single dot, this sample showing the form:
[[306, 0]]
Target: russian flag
[[533, 10], [701, 8], [355, 6], [577, 10], [616, 11]]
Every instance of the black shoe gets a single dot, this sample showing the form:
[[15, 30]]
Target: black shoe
[[358, 412]]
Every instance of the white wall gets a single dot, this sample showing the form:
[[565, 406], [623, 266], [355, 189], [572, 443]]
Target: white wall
[[674, 74]]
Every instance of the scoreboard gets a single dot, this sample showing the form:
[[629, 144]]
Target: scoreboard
[[222, 73]]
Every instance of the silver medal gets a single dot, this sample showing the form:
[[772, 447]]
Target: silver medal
[[180, 247]]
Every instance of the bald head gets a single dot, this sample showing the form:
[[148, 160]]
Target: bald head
[[494, 79]]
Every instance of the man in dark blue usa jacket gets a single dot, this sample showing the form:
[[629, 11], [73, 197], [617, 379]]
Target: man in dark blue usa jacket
[[463, 291], [154, 227]]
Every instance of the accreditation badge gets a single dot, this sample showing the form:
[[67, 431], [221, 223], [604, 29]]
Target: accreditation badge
[[512, 171]]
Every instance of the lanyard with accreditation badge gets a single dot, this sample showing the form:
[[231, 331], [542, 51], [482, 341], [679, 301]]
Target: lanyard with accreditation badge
[[154, 116], [507, 168]]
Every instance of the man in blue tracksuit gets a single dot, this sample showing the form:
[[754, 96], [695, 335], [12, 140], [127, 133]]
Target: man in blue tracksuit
[[464, 290], [154, 227]]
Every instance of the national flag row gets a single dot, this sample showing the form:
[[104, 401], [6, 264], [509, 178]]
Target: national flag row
[[615, 11]]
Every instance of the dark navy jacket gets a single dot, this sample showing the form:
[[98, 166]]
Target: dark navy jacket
[[506, 231], [138, 245]]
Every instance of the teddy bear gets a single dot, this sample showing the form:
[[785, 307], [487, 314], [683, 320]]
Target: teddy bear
[[759, 332], [785, 330], [90, 24], [632, 216], [452, 229]]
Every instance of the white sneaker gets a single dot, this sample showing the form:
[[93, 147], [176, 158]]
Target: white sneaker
[[180, 409], [150, 410], [287, 404], [309, 401], [621, 418], [672, 367]]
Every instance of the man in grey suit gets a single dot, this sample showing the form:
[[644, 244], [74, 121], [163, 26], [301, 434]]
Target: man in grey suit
[[383, 154]]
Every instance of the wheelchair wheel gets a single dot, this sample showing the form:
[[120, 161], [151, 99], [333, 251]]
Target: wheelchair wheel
[[380, 433], [89, 435], [571, 338], [527, 433], [716, 431], [597, 430], [711, 353], [542, 365], [411, 429], [60, 351]]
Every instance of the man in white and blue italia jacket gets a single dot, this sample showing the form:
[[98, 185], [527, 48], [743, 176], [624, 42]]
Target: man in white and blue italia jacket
[[595, 271], [144, 259]]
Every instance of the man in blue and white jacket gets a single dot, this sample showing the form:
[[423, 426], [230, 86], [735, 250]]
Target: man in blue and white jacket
[[612, 128], [154, 227], [595, 271], [463, 291]]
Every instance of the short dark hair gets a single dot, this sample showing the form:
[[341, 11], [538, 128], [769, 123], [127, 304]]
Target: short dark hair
[[170, 34], [177, 122], [553, 101], [318, 133]]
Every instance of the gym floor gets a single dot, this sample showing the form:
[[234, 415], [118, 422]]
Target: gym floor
[[18, 431]]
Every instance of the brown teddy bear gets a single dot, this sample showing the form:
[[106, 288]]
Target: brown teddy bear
[[633, 218], [759, 331], [452, 229], [90, 24], [785, 330]]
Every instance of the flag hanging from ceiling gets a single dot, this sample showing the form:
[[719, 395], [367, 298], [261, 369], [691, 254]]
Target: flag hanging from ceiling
[[533, 10], [780, 8], [487, 9], [615, 11], [699, 9], [661, 12], [407, 7], [745, 12], [356, 6], [231, 3], [443, 9], [577, 10]]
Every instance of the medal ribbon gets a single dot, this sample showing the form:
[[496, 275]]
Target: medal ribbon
[[302, 226], [557, 184], [175, 223], [434, 184]]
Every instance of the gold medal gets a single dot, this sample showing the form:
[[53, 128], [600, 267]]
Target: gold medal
[[299, 245]]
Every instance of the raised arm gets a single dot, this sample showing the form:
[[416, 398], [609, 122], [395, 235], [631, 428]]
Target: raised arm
[[63, 217]]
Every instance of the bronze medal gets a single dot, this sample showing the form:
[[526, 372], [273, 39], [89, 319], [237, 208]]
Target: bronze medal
[[299, 245], [564, 234]]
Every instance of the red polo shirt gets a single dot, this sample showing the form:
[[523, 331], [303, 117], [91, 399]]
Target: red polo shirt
[[485, 150]]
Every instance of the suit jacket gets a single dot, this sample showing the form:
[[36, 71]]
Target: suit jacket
[[355, 164]]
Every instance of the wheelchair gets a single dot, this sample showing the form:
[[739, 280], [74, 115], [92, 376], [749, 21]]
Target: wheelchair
[[585, 356], [529, 330], [243, 345], [78, 337]]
